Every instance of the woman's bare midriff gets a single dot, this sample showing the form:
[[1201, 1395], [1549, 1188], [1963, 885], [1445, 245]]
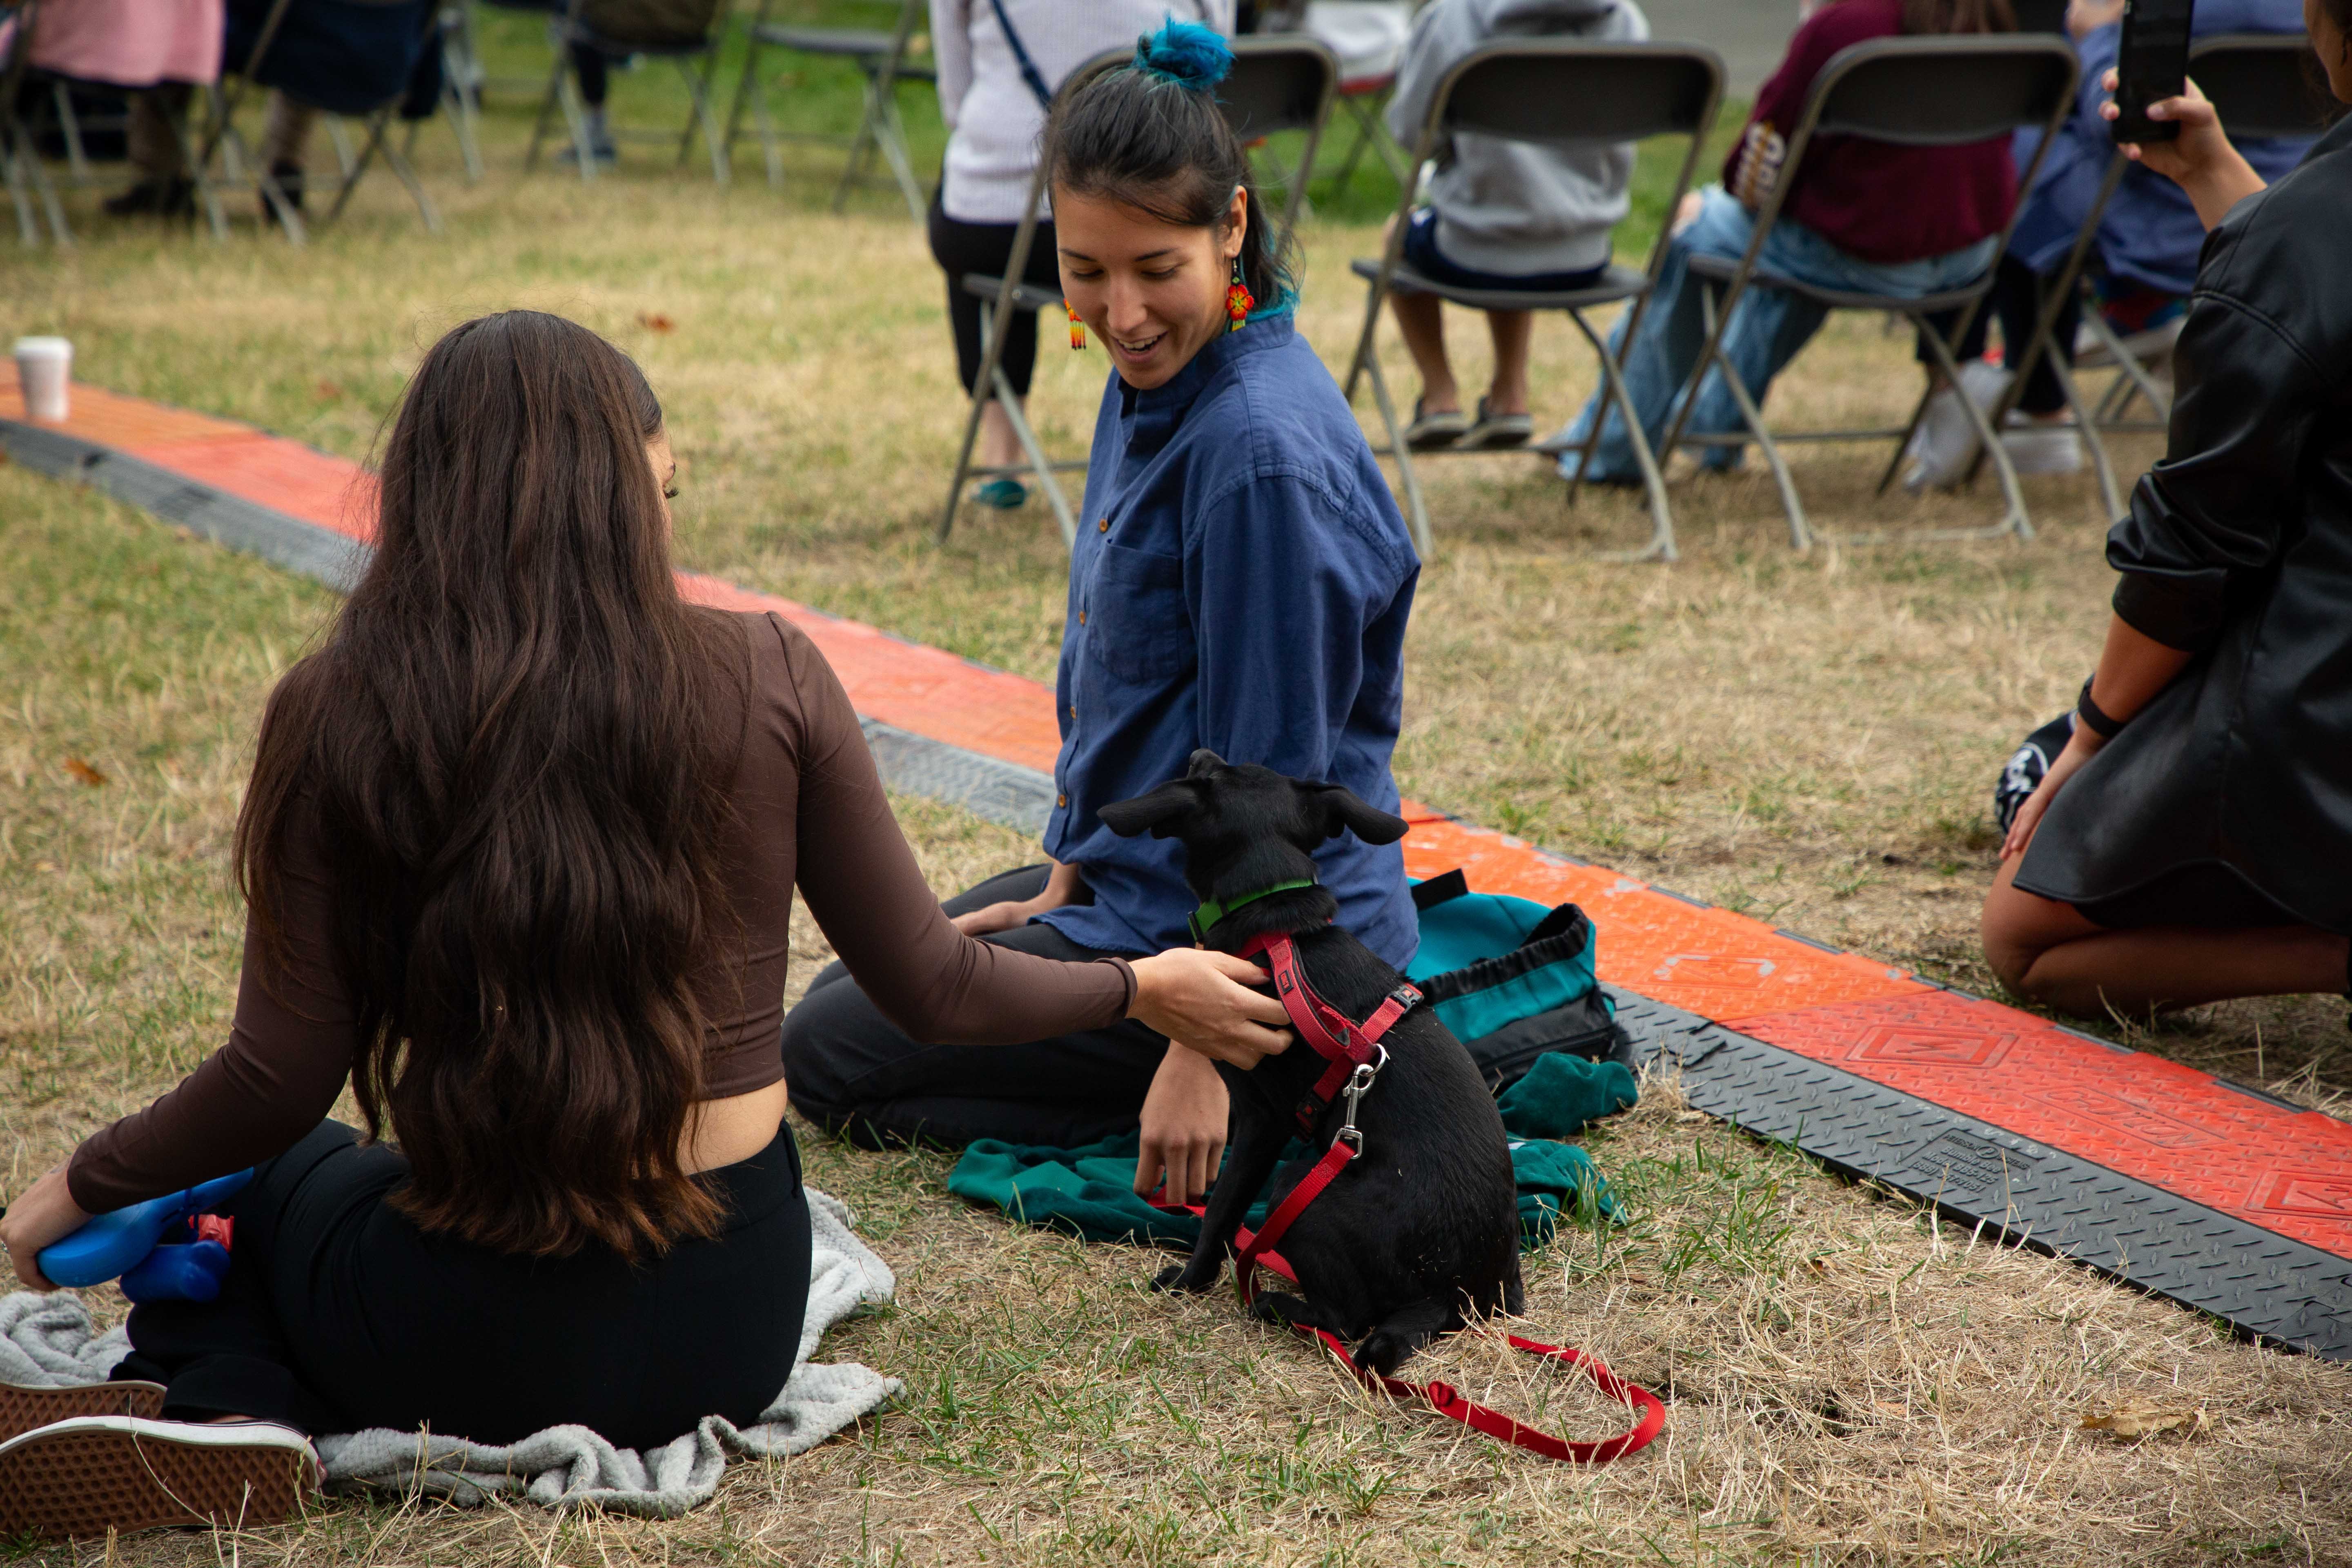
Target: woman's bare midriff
[[725, 1132]]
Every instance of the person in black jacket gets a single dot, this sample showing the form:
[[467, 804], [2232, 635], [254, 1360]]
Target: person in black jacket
[[2193, 841]]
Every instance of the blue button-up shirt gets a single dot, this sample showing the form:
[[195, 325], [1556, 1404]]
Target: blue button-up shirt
[[1241, 581]]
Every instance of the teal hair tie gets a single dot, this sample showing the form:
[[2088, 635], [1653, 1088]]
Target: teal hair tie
[[1186, 53]]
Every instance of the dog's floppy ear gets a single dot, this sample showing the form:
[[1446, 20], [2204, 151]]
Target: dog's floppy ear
[[1162, 811], [1344, 812]]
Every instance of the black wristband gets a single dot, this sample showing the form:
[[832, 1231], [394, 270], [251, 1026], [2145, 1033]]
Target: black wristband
[[2094, 717]]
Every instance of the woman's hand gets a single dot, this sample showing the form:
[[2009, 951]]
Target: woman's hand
[[2200, 160], [2079, 750], [46, 1213], [1061, 887], [1184, 1117], [1201, 1000]]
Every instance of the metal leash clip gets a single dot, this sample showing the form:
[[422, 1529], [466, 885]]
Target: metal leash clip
[[1358, 1082]]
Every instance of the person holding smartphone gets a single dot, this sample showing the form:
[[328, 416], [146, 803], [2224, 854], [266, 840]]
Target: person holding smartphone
[[2188, 843]]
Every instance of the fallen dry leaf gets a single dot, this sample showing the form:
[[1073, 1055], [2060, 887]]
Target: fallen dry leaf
[[2135, 1418], [654, 321], [84, 771], [329, 391]]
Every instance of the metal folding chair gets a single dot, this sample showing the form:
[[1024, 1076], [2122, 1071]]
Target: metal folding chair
[[30, 189], [1552, 90], [882, 57], [1277, 84], [376, 126], [1920, 91], [2261, 84], [609, 27]]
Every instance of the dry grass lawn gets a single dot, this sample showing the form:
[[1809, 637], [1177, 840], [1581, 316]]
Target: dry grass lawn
[[1811, 739]]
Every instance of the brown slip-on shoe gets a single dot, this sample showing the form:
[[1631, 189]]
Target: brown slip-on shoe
[[22, 1409], [78, 1478]]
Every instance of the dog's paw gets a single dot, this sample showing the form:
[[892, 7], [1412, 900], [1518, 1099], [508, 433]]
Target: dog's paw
[[1166, 1278]]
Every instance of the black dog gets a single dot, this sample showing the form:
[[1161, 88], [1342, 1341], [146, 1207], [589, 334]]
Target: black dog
[[1421, 1232]]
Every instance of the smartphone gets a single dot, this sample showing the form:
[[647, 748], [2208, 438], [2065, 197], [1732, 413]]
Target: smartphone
[[2151, 65]]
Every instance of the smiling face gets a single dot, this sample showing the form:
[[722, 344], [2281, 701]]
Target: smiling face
[[1152, 292]]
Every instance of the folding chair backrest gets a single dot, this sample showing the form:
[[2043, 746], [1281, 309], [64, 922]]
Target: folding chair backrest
[[653, 23], [1569, 89], [2264, 84], [1943, 91], [1277, 84]]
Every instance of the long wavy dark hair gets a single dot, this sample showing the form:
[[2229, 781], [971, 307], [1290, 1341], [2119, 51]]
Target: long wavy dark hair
[[512, 751]]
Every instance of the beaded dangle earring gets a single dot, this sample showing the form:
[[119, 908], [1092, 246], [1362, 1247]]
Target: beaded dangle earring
[[1239, 300], [1078, 328]]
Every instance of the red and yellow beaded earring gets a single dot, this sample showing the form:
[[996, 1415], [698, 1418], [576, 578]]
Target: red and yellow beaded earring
[[1078, 328], [1239, 300]]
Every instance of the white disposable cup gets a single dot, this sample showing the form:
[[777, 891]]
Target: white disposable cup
[[44, 372]]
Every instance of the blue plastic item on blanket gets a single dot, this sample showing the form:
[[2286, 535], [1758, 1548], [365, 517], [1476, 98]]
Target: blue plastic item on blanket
[[177, 1271], [1488, 959], [112, 1245]]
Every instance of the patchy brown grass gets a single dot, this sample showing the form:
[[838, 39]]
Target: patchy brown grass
[[1811, 739]]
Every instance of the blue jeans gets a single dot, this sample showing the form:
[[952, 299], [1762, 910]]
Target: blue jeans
[[1766, 329]]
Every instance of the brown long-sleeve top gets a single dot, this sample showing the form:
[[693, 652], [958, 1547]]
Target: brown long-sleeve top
[[808, 811]]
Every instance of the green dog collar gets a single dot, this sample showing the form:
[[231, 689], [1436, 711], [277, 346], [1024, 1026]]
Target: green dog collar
[[1210, 913]]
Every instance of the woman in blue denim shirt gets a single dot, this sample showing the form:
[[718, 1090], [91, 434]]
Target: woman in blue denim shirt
[[1241, 581]]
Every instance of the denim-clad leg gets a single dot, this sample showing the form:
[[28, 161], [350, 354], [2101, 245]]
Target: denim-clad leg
[[1765, 330]]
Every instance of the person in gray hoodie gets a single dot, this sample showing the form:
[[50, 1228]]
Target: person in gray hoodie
[[1500, 215]]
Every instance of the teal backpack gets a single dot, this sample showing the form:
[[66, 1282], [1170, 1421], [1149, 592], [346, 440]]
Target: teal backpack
[[1512, 979]]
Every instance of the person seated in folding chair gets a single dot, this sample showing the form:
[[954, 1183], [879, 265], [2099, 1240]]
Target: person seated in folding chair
[[159, 52], [1243, 584], [1501, 215], [591, 68], [1867, 216], [2188, 843], [2143, 266], [342, 58], [1000, 64]]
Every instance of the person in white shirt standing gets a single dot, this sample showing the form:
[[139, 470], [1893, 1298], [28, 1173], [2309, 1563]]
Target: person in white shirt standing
[[1000, 64]]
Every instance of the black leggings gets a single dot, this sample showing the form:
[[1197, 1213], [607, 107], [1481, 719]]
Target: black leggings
[[339, 1314], [2016, 301], [984, 248], [855, 1073]]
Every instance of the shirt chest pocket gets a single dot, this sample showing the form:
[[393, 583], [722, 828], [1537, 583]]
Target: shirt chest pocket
[[1137, 627]]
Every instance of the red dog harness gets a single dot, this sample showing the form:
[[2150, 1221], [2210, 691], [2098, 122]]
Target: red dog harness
[[1355, 1057]]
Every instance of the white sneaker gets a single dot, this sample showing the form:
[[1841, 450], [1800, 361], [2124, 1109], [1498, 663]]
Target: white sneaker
[[1946, 442], [86, 1477], [2039, 446]]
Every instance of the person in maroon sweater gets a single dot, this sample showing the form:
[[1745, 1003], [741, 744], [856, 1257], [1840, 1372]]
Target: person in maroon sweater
[[1864, 215]]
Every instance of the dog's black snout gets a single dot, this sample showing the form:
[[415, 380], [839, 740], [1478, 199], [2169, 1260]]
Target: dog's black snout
[[1203, 763]]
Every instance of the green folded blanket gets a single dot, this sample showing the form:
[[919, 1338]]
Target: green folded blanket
[[1090, 1192]]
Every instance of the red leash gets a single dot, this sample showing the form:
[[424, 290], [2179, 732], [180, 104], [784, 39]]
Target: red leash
[[1356, 1058]]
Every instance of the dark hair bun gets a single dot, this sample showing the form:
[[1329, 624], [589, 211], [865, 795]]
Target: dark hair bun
[[1186, 53]]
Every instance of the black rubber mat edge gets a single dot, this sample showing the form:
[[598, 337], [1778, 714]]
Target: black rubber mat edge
[[319, 553], [2268, 1287]]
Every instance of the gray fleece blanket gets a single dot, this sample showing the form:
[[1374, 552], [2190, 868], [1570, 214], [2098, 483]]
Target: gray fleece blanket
[[50, 1341]]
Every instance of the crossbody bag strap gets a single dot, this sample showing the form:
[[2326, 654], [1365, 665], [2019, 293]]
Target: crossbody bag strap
[[1021, 57]]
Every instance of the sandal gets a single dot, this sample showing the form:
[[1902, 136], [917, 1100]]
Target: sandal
[[23, 1409], [1428, 432], [83, 1479], [1497, 432]]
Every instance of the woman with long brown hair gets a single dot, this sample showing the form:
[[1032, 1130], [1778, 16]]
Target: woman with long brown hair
[[518, 851]]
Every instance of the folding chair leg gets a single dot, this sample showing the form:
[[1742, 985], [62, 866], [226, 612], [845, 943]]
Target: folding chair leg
[[2086, 430], [1416, 512], [1800, 532], [697, 88], [1037, 461], [860, 149], [25, 167], [28, 227], [2018, 521], [70, 126], [991, 350], [1903, 442], [890, 135], [339, 138], [458, 105], [396, 160], [2128, 362], [1662, 519], [281, 207]]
